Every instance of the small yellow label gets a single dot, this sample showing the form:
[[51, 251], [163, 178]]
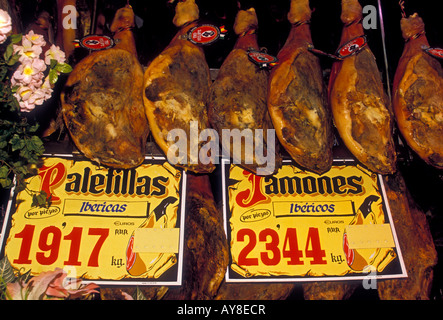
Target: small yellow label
[[370, 236], [156, 240]]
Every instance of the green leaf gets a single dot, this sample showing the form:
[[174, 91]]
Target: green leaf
[[14, 105], [139, 295], [6, 271], [8, 52], [39, 200], [17, 143], [36, 145], [16, 38], [63, 68], [14, 88], [4, 172], [53, 76], [4, 154], [20, 168], [6, 183], [13, 60], [3, 72], [53, 63], [34, 128], [33, 149]]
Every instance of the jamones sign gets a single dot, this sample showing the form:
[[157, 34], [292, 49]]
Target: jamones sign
[[300, 226]]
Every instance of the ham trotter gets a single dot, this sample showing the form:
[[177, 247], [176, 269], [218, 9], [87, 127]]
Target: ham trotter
[[102, 101], [297, 99], [418, 94], [360, 107], [237, 99], [176, 85]]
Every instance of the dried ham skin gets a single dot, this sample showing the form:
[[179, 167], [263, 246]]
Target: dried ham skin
[[360, 107], [238, 96], [176, 85], [102, 103], [418, 95], [297, 97], [206, 252]]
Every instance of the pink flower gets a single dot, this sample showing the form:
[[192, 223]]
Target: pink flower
[[26, 106], [35, 39], [27, 50], [55, 53], [49, 285], [39, 96], [35, 93], [5, 25], [46, 86], [62, 288], [23, 93], [34, 289], [29, 71], [126, 295]]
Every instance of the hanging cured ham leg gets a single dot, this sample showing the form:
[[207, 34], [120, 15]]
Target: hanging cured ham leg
[[176, 87], [102, 101], [297, 97], [418, 94], [237, 99], [359, 104]]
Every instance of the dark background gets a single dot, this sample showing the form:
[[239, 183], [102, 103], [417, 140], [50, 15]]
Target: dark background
[[424, 182]]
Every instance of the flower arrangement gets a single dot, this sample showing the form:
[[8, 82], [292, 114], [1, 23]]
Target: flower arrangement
[[48, 285], [27, 78]]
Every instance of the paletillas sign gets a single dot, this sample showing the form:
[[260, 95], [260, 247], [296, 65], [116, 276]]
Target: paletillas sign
[[299, 226], [107, 225]]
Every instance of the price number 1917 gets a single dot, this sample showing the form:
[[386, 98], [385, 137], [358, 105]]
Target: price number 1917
[[49, 243], [273, 254]]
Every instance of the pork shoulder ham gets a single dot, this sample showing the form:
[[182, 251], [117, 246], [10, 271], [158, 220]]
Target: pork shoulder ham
[[418, 94], [205, 250], [102, 102], [176, 85], [237, 98], [206, 253], [360, 107], [297, 100], [416, 242]]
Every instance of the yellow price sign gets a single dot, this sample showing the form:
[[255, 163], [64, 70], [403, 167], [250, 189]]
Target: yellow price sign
[[293, 226], [98, 222]]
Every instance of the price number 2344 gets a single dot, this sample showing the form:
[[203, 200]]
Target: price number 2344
[[274, 252]]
